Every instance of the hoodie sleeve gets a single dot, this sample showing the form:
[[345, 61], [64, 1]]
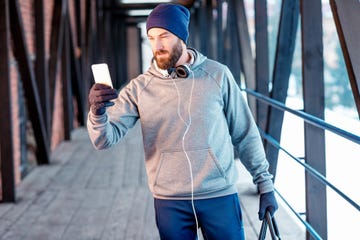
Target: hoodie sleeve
[[111, 127], [244, 133]]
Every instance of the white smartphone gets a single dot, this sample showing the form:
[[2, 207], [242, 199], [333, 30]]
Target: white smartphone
[[101, 74]]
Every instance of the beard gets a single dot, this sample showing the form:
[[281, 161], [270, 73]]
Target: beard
[[173, 56]]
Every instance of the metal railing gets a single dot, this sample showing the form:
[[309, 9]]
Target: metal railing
[[315, 122]]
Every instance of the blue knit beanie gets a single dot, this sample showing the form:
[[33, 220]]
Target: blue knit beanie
[[172, 17]]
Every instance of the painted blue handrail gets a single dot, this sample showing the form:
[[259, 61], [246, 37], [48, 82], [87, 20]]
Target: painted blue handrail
[[310, 169], [307, 117], [306, 224]]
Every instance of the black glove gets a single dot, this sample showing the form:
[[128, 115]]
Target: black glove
[[99, 98], [267, 203]]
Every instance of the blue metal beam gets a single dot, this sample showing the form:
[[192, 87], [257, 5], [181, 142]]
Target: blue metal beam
[[313, 95]]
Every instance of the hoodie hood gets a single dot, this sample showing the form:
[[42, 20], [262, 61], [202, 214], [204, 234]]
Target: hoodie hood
[[198, 60]]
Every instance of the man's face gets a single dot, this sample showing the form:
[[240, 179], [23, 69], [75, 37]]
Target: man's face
[[166, 47]]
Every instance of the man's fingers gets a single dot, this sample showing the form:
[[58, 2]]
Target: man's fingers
[[106, 96], [100, 86]]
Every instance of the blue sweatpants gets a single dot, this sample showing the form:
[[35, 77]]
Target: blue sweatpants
[[219, 218]]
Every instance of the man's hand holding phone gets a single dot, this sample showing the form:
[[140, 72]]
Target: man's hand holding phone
[[100, 96], [102, 91]]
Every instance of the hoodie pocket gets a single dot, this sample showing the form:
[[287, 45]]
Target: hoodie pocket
[[173, 176]]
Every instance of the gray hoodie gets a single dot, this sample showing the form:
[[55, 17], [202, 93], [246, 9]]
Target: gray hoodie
[[219, 120]]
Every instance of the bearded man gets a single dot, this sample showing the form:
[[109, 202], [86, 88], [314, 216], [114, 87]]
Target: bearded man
[[193, 116]]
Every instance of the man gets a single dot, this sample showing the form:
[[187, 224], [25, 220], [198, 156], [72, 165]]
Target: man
[[192, 117]]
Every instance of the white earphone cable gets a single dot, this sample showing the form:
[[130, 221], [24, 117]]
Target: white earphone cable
[[188, 124]]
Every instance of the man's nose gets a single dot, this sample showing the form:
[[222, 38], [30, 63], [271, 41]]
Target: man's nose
[[158, 45]]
